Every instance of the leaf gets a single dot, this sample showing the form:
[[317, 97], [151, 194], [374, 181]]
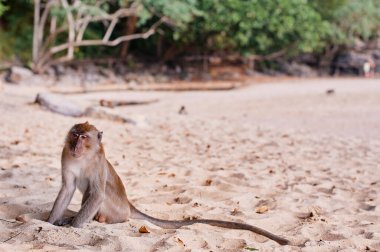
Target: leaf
[[262, 209], [251, 249], [235, 211], [143, 230], [180, 242], [208, 182], [15, 142]]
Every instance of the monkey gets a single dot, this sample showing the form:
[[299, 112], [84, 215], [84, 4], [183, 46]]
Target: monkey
[[84, 166]]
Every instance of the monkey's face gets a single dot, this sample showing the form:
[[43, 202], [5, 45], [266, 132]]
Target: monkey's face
[[83, 139]]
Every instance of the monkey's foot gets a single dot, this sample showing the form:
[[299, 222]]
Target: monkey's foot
[[64, 221], [100, 218]]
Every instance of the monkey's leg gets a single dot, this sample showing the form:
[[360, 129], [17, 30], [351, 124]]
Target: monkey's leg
[[89, 208], [87, 212]]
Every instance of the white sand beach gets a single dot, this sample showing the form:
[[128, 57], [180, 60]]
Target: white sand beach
[[310, 160]]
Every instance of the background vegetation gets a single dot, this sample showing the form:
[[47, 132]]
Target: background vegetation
[[247, 28]]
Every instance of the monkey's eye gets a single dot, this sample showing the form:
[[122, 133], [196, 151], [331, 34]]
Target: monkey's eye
[[83, 136], [75, 134]]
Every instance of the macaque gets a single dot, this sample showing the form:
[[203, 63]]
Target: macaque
[[84, 165]]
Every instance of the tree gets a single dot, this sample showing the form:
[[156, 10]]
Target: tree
[[16, 31], [355, 20], [349, 21], [253, 28], [72, 20]]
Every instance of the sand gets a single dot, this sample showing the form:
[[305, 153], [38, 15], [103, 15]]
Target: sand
[[308, 160]]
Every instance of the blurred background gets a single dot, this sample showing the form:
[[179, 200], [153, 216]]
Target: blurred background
[[95, 40]]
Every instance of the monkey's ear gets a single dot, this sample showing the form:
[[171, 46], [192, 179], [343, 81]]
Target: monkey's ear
[[100, 134]]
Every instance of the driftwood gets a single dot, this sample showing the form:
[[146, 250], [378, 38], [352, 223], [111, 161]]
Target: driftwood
[[102, 114], [112, 104], [177, 86], [58, 104], [97, 112]]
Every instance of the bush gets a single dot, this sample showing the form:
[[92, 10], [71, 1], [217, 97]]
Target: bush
[[255, 27], [16, 31], [249, 27]]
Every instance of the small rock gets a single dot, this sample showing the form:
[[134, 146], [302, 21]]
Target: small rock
[[299, 70], [107, 73], [182, 110], [330, 91], [139, 78], [351, 62], [160, 78], [367, 207], [17, 74]]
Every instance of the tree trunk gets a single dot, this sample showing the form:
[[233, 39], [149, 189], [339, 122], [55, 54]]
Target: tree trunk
[[129, 29], [36, 30]]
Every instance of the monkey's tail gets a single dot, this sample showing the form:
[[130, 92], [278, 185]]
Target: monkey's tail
[[173, 224]]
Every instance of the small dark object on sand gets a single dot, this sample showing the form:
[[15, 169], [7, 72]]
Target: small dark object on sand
[[330, 91], [182, 110]]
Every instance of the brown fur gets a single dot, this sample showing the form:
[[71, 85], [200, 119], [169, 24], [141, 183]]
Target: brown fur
[[104, 195]]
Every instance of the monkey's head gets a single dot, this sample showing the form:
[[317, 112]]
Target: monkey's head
[[83, 138]]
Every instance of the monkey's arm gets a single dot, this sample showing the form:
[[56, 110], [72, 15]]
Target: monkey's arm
[[91, 205], [63, 199]]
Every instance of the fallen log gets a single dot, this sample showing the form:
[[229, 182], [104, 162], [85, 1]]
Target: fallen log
[[112, 104], [59, 104], [97, 112]]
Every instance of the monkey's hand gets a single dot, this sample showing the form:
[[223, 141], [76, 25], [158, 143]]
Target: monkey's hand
[[64, 221]]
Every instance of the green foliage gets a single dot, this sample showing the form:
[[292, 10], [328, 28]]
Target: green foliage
[[355, 20], [327, 8], [16, 33], [247, 27], [255, 27], [3, 7], [180, 11]]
